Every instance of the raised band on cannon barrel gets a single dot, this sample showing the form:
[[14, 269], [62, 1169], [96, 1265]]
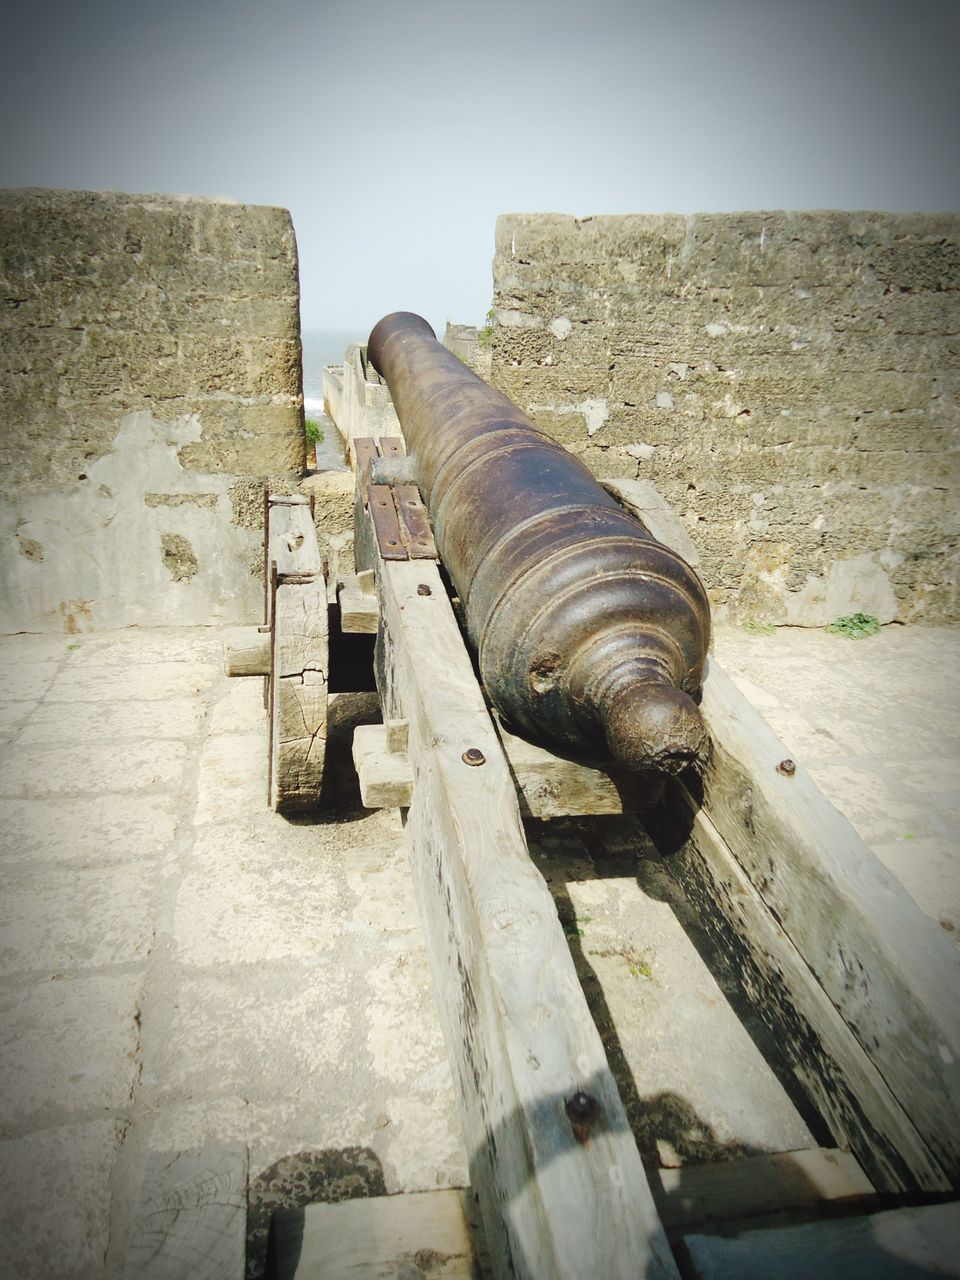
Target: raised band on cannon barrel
[[590, 633]]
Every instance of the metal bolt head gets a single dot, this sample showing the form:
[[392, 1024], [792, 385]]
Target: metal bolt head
[[582, 1110], [581, 1107], [787, 767], [423, 590], [474, 756]]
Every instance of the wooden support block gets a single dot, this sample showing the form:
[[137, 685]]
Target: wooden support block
[[298, 719], [382, 1238], [292, 539], [552, 786], [247, 651], [902, 1244], [191, 1215], [359, 610], [386, 779], [559, 1197], [885, 966], [734, 1189]]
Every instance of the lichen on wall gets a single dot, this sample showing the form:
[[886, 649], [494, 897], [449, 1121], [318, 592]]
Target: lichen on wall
[[149, 361], [789, 381]]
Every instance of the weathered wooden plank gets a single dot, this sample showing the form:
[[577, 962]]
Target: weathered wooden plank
[[385, 776], [191, 1215], [755, 1185], [381, 1238], [643, 500], [901, 1244], [292, 538], [552, 786], [813, 1040], [559, 1196], [247, 651], [887, 968], [359, 610], [298, 714]]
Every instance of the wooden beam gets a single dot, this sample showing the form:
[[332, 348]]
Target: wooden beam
[[887, 969], [552, 786], [385, 776], [298, 722], [826, 1059], [901, 1244], [292, 538], [191, 1215], [380, 1238], [552, 1159], [247, 651], [731, 1190], [359, 610]]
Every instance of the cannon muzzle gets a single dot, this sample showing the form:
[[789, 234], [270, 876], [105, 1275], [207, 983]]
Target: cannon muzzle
[[590, 633]]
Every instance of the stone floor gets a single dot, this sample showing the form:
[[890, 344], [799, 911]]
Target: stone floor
[[180, 966]]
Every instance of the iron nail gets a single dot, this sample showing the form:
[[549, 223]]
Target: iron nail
[[473, 755], [787, 768], [582, 1110], [423, 590]]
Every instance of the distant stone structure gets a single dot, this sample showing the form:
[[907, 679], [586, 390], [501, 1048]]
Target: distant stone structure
[[150, 384], [789, 381]]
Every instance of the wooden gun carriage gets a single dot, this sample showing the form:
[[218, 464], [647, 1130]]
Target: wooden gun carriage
[[859, 987]]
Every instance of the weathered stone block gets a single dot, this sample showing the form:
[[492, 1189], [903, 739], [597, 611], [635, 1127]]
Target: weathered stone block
[[151, 338], [786, 379]]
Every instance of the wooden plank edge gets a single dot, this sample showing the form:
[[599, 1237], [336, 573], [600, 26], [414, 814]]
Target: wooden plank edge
[[519, 1034], [887, 967], [822, 1054]]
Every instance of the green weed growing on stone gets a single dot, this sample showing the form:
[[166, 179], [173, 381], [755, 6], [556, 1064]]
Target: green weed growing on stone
[[855, 625], [755, 628], [485, 335], [314, 431]]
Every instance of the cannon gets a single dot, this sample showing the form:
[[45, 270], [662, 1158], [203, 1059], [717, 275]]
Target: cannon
[[590, 633]]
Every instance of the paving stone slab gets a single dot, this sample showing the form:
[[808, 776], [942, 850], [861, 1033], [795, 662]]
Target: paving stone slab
[[96, 916], [276, 1031], [26, 681], [91, 770], [146, 681], [12, 717], [256, 892], [66, 1169], [97, 722], [68, 1046], [98, 829], [136, 645], [232, 778]]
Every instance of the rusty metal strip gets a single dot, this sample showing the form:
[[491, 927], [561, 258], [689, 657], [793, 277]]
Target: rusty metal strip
[[365, 454], [414, 523], [392, 447], [386, 525]]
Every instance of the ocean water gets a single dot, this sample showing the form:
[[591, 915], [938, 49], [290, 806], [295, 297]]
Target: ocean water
[[320, 348]]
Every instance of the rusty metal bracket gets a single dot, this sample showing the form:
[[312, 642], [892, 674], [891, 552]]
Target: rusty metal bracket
[[414, 523], [397, 513]]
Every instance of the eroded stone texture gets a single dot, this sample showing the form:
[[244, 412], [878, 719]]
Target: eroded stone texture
[[149, 362], [789, 381]]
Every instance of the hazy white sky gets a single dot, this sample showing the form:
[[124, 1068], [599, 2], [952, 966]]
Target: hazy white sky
[[395, 132]]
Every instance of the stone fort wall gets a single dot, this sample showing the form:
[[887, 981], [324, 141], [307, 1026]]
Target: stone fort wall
[[789, 381], [150, 384]]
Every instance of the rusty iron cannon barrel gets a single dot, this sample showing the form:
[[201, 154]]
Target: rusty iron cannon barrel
[[590, 633]]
